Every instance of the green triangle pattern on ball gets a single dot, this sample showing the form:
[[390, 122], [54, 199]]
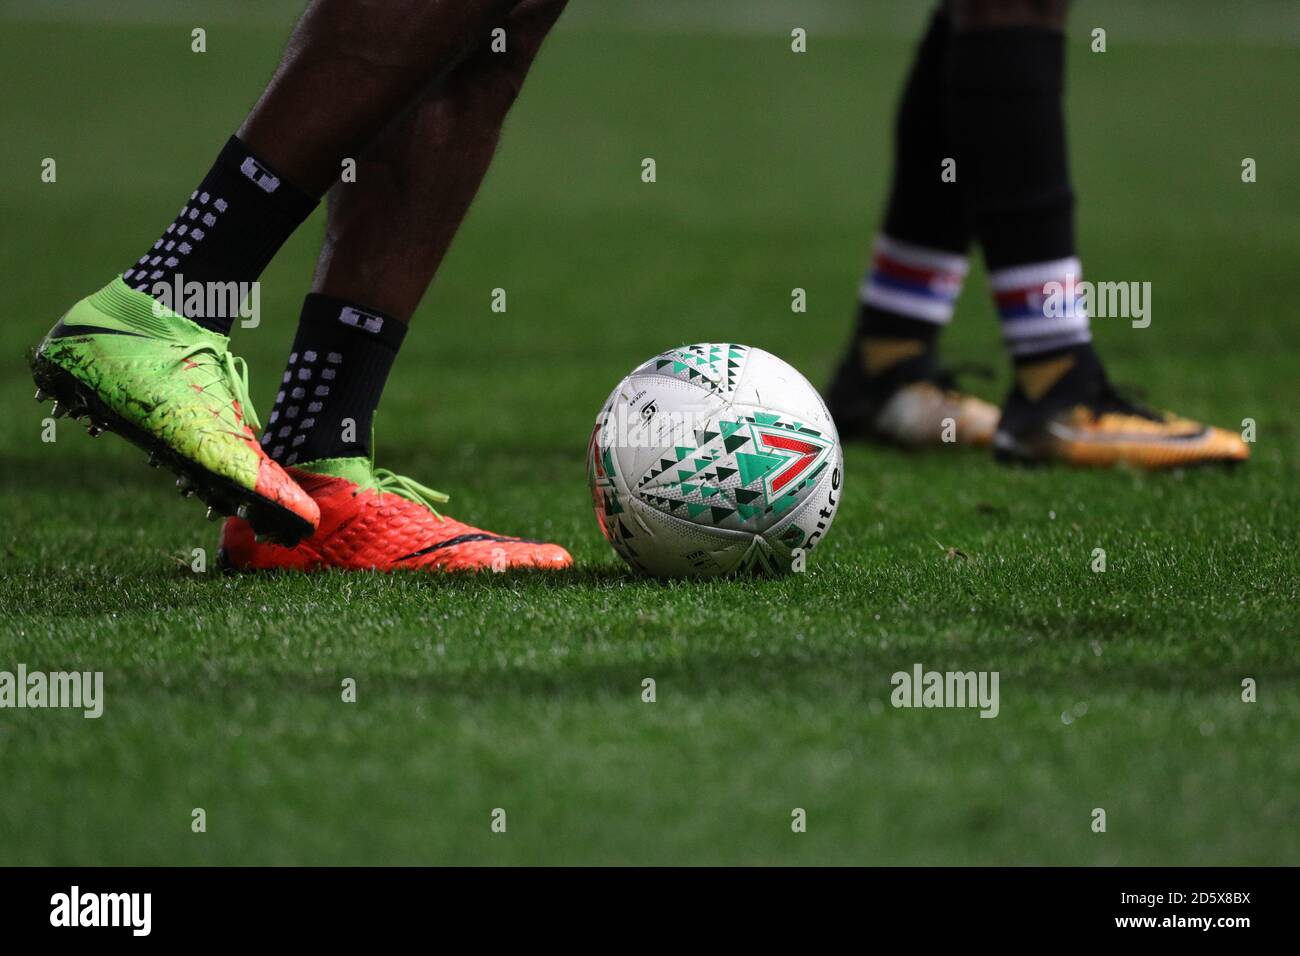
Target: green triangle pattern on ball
[[700, 476], [715, 364], [754, 467]]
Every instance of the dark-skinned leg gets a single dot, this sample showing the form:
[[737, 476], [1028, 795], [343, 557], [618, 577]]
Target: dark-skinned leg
[[349, 68], [387, 234], [385, 237]]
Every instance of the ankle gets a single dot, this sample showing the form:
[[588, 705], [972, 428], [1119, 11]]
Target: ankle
[[1074, 368]]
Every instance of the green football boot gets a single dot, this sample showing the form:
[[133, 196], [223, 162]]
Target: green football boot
[[129, 365]]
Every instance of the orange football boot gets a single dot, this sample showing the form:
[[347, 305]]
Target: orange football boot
[[373, 519]]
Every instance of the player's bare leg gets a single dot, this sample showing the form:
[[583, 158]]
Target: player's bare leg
[[350, 68], [388, 232], [386, 235]]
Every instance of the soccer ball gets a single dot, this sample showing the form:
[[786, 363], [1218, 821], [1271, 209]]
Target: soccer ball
[[712, 459]]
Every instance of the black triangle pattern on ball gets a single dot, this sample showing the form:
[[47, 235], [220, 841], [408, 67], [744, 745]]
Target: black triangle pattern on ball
[[732, 442]]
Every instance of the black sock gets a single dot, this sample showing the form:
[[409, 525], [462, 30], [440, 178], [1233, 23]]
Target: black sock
[[923, 209], [227, 232], [1007, 118], [341, 357], [1007, 107], [1084, 353], [926, 230]]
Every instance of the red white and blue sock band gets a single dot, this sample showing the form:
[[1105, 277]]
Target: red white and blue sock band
[[914, 281], [1041, 306]]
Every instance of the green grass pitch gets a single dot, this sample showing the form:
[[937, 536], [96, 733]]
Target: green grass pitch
[[1119, 690]]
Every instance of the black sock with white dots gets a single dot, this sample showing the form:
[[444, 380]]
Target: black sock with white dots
[[227, 232], [341, 357]]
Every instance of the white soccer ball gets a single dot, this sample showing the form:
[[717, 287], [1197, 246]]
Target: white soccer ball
[[712, 459]]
